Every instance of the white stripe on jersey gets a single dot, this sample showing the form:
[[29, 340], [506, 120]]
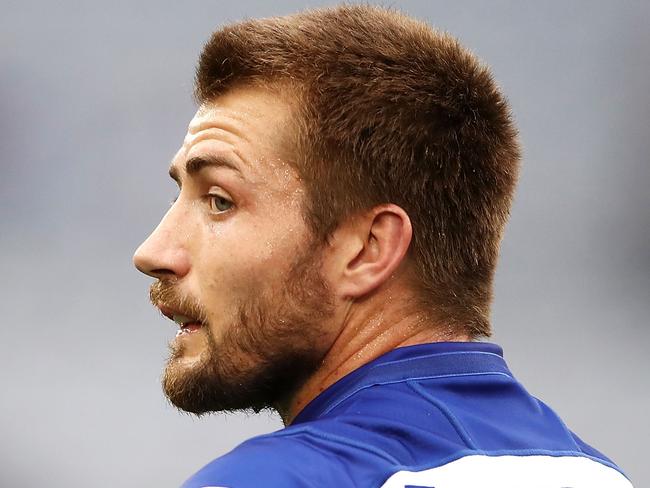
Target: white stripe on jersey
[[513, 472]]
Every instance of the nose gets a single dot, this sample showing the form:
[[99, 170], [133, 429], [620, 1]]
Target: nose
[[164, 254]]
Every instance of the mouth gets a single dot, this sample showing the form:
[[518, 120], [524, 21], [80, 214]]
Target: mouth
[[187, 325]]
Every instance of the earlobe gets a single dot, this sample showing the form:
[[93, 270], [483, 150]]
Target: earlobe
[[383, 237]]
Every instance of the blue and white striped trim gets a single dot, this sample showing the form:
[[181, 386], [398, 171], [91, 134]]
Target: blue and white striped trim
[[508, 471]]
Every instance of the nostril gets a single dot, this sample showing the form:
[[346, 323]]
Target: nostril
[[162, 272]]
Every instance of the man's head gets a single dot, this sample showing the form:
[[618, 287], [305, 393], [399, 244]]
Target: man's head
[[236, 264], [368, 149]]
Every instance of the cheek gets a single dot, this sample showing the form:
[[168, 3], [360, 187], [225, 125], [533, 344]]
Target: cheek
[[239, 256]]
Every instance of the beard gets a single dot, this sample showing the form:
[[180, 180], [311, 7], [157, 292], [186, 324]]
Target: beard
[[263, 356]]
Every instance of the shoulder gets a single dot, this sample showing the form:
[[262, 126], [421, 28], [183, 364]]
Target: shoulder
[[304, 456], [269, 458]]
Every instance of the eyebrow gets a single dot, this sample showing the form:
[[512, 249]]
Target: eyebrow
[[196, 164]]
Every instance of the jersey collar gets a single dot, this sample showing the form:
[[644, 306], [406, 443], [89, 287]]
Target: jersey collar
[[439, 359]]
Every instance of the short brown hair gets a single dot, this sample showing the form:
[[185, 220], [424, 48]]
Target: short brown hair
[[389, 110]]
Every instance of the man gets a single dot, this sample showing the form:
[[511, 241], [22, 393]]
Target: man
[[344, 187]]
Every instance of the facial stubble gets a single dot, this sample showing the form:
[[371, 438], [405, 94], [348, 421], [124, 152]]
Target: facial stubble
[[262, 357]]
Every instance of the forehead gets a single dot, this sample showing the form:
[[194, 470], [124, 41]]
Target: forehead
[[251, 121]]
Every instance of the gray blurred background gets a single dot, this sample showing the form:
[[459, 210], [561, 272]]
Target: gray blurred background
[[94, 101]]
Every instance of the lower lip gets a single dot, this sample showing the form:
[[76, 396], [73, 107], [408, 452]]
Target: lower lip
[[189, 328]]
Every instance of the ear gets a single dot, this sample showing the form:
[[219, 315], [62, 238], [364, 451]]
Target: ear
[[370, 248]]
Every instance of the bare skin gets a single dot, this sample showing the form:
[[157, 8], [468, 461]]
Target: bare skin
[[232, 234]]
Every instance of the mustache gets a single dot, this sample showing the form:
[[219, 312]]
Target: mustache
[[166, 294]]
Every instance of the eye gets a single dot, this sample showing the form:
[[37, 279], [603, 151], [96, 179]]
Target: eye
[[219, 204]]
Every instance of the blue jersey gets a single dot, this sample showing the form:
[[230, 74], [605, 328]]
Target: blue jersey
[[443, 415]]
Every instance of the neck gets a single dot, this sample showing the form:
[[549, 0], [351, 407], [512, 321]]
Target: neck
[[367, 333]]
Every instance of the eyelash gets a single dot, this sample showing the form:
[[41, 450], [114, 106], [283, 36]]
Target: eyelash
[[210, 197]]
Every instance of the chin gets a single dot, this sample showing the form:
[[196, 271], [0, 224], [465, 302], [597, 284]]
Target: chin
[[234, 380]]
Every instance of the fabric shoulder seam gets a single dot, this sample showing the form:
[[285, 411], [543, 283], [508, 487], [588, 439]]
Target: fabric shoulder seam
[[340, 439], [451, 418]]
